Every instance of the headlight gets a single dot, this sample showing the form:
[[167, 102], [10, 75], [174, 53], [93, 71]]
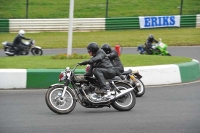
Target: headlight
[[68, 72]]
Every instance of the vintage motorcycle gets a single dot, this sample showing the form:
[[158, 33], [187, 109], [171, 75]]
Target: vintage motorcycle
[[157, 49], [62, 98], [133, 78], [29, 46]]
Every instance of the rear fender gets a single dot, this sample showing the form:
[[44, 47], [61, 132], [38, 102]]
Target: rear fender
[[37, 47], [137, 74]]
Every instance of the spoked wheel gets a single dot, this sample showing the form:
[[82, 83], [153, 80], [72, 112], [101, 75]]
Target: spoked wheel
[[10, 50], [36, 51], [58, 104], [140, 88], [125, 102]]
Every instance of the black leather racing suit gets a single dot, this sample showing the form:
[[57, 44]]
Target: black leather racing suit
[[115, 60], [18, 42], [148, 44], [101, 67]]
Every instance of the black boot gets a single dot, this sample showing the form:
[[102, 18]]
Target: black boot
[[102, 91]]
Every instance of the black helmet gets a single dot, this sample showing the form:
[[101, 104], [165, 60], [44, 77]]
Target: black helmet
[[92, 47], [106, 48], [151, 37]]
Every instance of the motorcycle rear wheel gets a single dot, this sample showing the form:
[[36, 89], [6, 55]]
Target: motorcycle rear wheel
[[36, 51], [140, 87], [125, 102], [168, 54], [12, 50], [57, 104]]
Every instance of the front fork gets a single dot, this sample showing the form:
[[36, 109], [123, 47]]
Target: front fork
[[64, 90], [65, 87]]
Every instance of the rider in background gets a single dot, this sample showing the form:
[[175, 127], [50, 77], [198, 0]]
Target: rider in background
[[148, 43], [114, 58], [18, 43]]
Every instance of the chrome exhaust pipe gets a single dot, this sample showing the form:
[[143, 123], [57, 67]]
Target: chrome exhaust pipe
[[123, 92], [110, 97], [9, 53]]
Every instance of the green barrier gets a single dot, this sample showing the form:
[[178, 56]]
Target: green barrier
[[188, 21], [4, 25], [189, 71], [122, 23], [43, 78]]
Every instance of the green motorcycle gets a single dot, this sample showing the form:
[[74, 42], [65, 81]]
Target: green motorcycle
[[157, 49]]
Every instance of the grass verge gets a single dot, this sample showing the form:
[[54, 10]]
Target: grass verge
[[47, 62], [126, 38]]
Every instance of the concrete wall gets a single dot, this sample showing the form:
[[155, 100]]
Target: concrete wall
[[152, 75]]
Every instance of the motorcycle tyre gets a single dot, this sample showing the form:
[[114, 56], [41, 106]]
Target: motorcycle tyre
[[53, 108], [139, 94], [143, 53], [5, 49], [127, 108], [168, 54], [33, 51]]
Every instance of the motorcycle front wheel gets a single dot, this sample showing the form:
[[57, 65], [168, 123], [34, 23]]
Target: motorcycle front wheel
[[56, 103], [36, 51], [125, 102]]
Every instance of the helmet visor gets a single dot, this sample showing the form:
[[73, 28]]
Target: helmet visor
[[89, 51]]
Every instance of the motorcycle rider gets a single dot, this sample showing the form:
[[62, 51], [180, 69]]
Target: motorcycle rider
[[113, 56], [101, 66], [148, 43], [18, 43]]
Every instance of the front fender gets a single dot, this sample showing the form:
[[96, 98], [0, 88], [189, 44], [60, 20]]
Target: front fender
[[55, 85]]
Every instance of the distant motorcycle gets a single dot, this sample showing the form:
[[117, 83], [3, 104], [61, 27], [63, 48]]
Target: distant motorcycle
[[62, 98], [29, 46], [157, 49]]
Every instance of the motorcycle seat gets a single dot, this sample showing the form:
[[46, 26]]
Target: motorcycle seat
[[9, 44], [127, 72]]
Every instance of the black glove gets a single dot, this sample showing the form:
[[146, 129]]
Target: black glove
[[108, 55], [84, 63]]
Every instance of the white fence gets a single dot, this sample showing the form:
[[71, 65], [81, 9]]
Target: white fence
[[198, 21], [40, 25], [62, 25]]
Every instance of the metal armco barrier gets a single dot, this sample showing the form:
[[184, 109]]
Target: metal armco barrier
[[83, 24], [198, 21], [4, 25], [188, 21], [122, 23]]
